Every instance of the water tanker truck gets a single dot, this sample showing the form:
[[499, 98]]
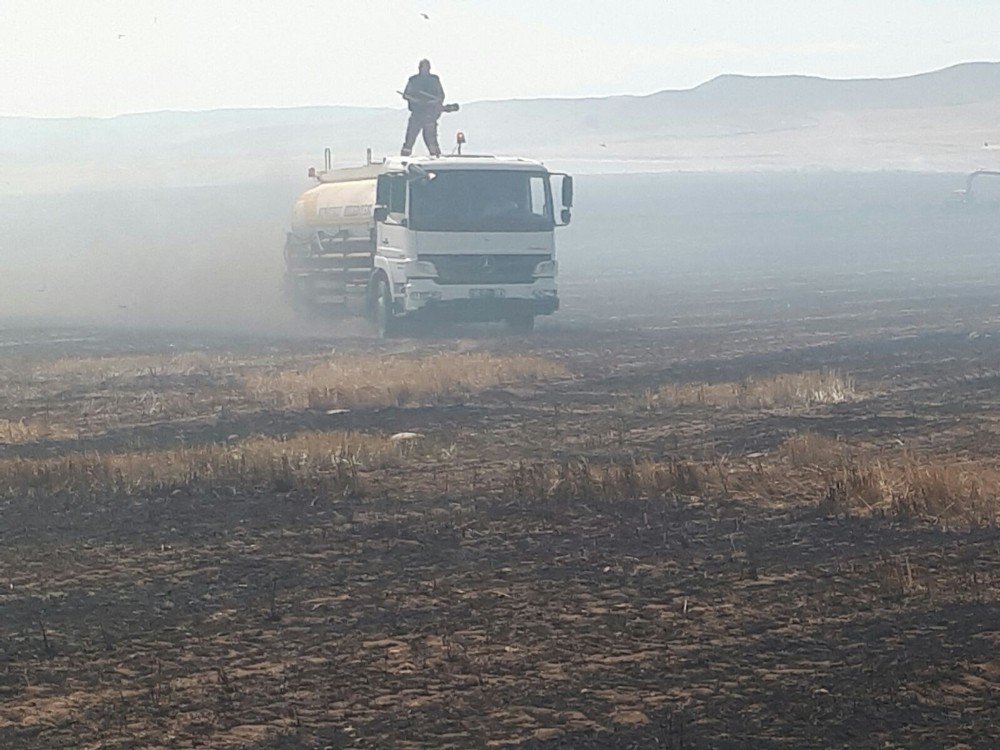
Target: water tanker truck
[[462, 238]]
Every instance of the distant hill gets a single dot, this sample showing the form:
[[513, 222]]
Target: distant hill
[[944, 120], [969, 83]]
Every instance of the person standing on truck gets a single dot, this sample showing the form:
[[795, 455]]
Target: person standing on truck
[[425, 98]]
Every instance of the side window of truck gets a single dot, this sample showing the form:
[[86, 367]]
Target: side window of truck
[[397, 194], [391, 193]]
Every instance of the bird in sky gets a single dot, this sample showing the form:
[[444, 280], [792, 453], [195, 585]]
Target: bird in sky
[[121, 36], [426, 17]]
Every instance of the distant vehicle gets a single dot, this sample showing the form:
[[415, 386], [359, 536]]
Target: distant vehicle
[[465, 238]]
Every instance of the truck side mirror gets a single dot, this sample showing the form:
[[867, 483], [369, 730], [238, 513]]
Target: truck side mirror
[[567, 192], [565, 216], [381, 213]]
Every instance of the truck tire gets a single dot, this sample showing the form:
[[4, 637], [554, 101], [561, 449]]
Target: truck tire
[[385, 321], [522, 323]]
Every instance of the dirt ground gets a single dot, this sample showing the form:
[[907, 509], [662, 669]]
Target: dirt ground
[[450, 599]]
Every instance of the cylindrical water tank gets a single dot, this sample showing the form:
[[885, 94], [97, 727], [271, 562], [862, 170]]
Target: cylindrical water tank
[[334, 207]]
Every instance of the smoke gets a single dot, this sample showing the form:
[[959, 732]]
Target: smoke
[[208, 258]]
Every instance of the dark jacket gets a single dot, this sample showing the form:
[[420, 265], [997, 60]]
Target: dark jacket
[[424, 88]]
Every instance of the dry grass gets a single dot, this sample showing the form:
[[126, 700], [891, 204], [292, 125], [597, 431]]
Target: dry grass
[[20, 431], [68, 398], [313, 460], [895, 483], [71, 398], [805, 468], [370, 381], [938, 489], [780, 391]]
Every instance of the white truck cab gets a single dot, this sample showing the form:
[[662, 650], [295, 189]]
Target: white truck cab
[[459, 238]]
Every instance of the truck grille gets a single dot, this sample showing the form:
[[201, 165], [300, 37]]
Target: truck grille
[[485, 269]]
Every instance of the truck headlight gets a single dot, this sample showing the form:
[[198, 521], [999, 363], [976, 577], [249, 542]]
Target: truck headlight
[[422, 269], [546, 268]]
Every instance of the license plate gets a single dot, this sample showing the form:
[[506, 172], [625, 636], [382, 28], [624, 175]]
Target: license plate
[[485, 293]]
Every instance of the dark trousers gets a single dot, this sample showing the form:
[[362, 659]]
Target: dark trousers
[[426, 122]]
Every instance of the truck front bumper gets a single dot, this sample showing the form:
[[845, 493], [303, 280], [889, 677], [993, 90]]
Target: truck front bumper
[[479, 303]]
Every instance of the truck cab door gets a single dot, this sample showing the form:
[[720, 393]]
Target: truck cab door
[[392, 234]]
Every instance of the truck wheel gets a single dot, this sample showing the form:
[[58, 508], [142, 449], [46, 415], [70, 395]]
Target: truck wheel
[[385, 322], [521, 323]]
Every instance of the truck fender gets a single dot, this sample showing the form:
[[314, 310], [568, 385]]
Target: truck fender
[[382, 265], [394, 268]]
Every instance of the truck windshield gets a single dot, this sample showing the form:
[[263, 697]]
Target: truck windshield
[[481, 200]]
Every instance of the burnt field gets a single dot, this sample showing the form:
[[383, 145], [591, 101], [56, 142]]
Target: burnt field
[[742, 491], [715, 518]]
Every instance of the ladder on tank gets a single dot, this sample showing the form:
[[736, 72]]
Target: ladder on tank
[[330, 267], [339, 266]]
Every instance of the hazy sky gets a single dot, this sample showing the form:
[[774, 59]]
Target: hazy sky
[[104, 57]]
